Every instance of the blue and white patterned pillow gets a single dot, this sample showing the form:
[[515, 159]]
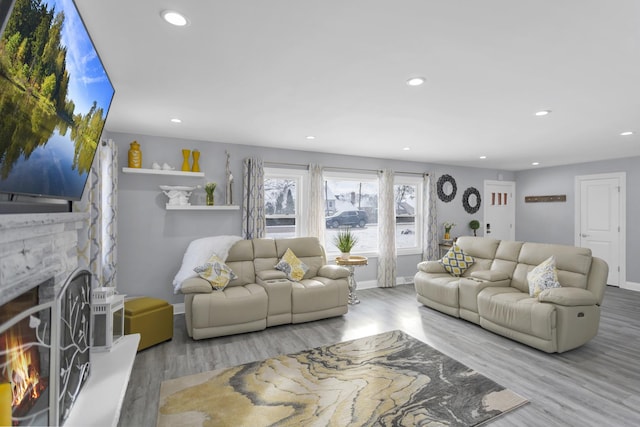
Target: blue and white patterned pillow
[[544, 276]]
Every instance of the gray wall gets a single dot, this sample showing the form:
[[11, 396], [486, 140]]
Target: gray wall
[[554, 222], [152, 240], [453, 211]]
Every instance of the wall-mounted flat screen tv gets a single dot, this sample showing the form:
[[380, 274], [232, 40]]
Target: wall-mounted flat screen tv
[[54, 99]]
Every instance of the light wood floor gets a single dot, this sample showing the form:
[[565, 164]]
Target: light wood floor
[[595, 385]]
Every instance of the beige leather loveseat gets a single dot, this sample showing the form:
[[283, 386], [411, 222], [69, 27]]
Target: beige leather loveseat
[[494, 292], [262, 296]]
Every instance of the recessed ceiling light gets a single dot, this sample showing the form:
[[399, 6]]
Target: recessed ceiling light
[[627, 133], [483, 157], [543, 112], [535, 163], [406, 148], [416, 81], [176, 120], [174, 18], [311, 137]]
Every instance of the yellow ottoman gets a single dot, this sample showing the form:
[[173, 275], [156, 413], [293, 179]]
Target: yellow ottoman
[[152, 318]]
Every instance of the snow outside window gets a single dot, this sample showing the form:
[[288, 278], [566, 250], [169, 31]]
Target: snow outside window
[[408, 206], [284, 202], [351, 200]]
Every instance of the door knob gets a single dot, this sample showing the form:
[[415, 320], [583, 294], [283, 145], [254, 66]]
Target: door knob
[[584, 235]]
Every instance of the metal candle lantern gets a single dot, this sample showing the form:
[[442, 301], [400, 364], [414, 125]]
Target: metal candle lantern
[[107, 312]]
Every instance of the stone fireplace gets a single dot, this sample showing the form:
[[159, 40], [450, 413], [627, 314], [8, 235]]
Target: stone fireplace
[[44, 340]]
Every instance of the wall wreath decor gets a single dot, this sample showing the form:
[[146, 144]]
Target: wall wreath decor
[[465, 200], [446, 193]]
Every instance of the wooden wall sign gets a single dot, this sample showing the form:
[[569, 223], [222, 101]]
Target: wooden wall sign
[[535, 199]]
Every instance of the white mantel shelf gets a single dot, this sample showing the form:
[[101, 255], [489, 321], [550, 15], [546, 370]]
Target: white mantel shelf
[[202, 208], [100, 400], [163, 172]]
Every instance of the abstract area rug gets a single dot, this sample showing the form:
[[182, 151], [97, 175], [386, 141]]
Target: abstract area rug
[[390, 379]]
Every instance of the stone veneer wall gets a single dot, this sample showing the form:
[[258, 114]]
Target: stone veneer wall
[[37, 247]]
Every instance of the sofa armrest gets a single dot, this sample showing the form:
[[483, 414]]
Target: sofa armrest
[[431, 267], [568, 296], [334, 272], [196, 285], [271, 275], [490, 275]]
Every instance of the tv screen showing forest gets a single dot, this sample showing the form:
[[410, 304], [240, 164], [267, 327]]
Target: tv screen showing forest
[[54, 99]]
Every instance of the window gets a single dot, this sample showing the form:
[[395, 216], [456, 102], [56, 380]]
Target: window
[[283, 202], [408, 207], [351, 200]]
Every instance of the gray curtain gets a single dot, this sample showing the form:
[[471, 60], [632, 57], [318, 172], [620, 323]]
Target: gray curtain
[[315, 214], [97, 245], [430, 249], [253, 216], [386, 231]]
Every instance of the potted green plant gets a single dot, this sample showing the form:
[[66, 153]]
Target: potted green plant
[[447, 230], [474, 225], [345, 240], [209, 188]]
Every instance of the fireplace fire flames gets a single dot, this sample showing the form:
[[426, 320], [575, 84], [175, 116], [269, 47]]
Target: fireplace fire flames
[[21, 366]]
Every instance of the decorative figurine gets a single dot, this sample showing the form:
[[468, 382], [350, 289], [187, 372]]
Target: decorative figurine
[[229, 190], [178, 195]]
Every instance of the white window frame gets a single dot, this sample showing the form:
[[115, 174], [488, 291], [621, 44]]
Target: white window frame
[[301, 176], [418, 181]]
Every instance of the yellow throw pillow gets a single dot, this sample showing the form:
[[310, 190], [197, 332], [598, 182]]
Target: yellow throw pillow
[[216, 272], [456, 261], [292, 266], [544, 276]]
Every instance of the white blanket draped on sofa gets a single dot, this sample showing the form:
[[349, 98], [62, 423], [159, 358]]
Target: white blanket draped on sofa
[[198, 252]]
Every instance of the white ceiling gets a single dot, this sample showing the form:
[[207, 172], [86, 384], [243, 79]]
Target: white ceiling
[[269, 73]]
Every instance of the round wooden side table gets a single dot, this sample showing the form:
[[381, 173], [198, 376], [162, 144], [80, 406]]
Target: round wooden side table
[[351, 263]]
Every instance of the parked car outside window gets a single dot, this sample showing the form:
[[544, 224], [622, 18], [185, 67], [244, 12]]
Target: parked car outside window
[[356, 218]]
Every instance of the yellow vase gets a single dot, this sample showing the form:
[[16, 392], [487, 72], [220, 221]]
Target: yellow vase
[[135, 155], [5, 404], [447, 236], [196, 158], [185, 162]]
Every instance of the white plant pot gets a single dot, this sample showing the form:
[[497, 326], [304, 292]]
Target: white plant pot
[[345, 255]]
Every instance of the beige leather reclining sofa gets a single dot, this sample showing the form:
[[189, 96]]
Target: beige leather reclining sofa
[[494, 292], [262, 296]]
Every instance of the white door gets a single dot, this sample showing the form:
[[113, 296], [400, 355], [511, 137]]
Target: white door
[[499, 210], [599, 220]]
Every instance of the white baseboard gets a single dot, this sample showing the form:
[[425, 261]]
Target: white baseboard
[[407, 280], [370, 284], [632, 286], [178, 308], [367, 284]]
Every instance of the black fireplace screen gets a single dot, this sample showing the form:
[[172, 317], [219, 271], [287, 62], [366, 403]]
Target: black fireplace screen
[[75, 340]]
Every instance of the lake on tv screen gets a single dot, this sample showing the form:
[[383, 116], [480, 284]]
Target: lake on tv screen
[[48, 171]]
